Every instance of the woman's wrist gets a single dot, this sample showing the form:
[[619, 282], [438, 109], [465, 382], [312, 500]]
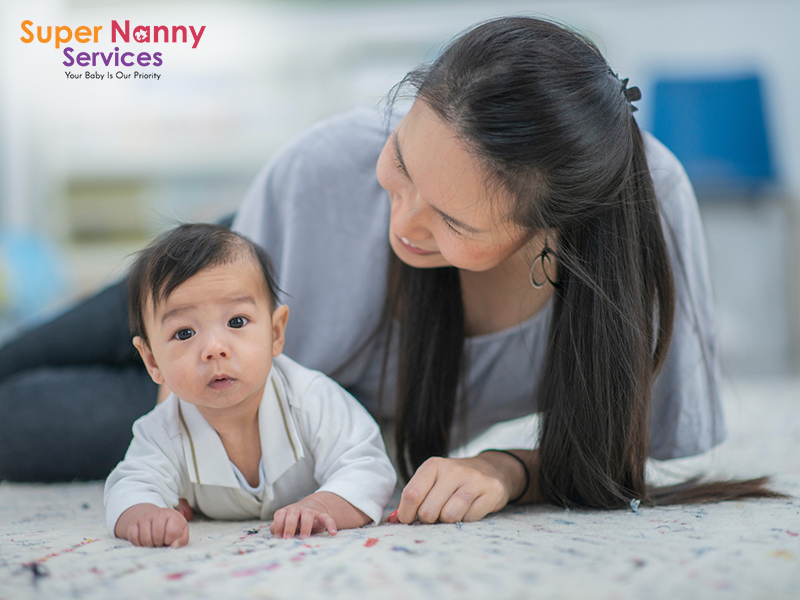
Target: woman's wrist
[[520, 473]]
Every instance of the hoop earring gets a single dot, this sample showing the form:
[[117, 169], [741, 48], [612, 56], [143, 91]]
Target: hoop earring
[[544, 255]]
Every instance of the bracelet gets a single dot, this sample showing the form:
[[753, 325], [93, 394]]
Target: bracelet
[[524, 466]]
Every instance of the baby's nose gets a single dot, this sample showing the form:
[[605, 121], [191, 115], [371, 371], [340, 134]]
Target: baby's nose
[[216, 349]]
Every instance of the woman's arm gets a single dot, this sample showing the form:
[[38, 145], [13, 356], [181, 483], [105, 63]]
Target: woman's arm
[[467, 489]]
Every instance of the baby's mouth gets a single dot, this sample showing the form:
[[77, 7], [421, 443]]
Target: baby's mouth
[[221, 382]]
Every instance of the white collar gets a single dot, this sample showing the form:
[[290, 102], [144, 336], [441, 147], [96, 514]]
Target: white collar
[[206, 459]]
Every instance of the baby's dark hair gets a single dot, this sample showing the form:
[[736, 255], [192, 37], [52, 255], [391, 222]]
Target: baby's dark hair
[[177, 255]]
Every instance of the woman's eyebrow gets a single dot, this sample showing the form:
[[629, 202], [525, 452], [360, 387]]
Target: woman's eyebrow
[[399, 157], [456, 222]]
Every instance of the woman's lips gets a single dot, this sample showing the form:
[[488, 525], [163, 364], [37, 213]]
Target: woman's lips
[[411, 247]]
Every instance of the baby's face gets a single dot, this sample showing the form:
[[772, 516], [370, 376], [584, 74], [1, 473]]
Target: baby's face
[[213, 339]]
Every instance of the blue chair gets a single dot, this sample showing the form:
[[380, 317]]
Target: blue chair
[[32, 277], [716, 127]]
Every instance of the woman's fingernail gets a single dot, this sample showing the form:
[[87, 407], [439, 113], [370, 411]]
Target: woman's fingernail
[[392, 518]]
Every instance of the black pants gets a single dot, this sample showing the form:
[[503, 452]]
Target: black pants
[[69, 392]]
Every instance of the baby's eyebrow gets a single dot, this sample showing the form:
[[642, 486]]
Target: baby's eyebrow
[[175, 312], [241, 298], [234, 299]]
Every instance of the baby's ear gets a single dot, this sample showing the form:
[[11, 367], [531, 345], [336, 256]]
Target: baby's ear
[[279, 319], [149, 360]]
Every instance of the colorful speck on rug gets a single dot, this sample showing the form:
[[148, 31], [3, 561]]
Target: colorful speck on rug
[[54, 543]]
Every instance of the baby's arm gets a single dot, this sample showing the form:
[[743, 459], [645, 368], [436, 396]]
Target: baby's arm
[[356, 477], [315, 513], [151, 525], [142, 493]]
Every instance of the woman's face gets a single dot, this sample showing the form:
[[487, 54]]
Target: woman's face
[[442, 214]]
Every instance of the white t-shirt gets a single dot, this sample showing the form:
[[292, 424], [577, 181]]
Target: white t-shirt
[[314, 437], [318, 210]]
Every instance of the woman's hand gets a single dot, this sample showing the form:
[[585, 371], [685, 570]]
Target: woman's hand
[[461, 489]]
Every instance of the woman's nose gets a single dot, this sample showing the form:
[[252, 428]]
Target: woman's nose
[[408, 217]]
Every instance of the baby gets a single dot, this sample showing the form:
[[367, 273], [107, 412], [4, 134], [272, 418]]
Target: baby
[[246, 433]]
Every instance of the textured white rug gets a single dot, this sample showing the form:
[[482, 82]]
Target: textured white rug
[[53, 542]]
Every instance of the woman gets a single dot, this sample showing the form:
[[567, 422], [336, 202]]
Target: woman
[[529, 271]]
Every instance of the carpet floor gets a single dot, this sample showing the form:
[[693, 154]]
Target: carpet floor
[[54, 544]]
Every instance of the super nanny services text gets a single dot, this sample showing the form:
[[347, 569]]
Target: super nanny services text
[[60, 35]]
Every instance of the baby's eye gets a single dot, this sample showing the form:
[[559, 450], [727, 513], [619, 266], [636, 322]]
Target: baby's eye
[[237, 322], [184, 334]]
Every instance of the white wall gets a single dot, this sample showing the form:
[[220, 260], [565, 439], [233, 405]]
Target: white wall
[[186, 146], [265, 70]]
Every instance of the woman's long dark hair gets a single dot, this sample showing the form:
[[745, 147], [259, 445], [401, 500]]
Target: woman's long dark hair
[[553, 128]]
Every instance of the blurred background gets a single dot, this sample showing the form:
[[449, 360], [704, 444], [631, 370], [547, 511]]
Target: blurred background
[[91, 170]]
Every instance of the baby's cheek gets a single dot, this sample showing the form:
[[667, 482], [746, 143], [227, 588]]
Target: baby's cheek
[[181, 376]]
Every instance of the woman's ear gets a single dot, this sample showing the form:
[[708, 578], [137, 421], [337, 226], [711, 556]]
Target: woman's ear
[[279, 319], [149, 360]]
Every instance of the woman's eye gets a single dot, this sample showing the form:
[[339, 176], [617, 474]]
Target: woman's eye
[[184, 334], [237, 322], [450, 225]]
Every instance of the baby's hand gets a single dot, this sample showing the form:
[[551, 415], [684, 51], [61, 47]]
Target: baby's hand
[[308, 516], [149, 525]]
